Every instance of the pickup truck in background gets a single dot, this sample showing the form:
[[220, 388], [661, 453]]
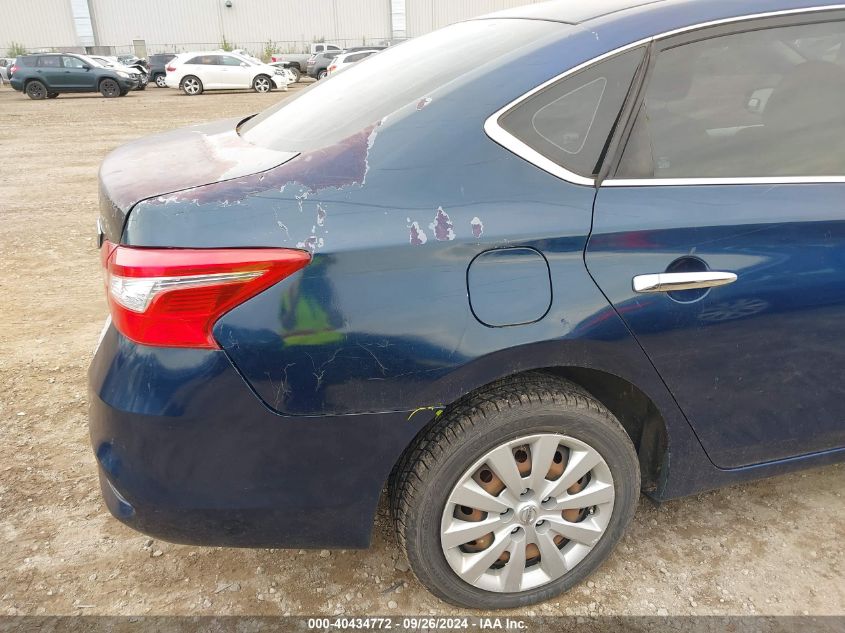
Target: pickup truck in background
[[298, 61]]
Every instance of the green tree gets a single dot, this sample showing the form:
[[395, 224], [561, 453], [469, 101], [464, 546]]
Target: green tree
[[15, 49], [270, 47]]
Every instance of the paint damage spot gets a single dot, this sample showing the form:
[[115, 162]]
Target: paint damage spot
[[438, 411], [423, 103], [312, 243], [418, 236], [477, 227], [321, 215], [337, 167], [442, 226]]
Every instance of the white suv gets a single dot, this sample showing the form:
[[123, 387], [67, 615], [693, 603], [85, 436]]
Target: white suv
[[216, 70]]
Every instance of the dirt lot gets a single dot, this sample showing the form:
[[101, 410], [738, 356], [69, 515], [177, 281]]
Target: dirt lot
[[774, 547]]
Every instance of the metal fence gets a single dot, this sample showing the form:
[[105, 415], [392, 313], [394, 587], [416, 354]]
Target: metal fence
[[262, 50]]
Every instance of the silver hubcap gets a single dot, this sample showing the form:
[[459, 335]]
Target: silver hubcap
[[160, 82], [527, 513], [262, 85], [192, 86]]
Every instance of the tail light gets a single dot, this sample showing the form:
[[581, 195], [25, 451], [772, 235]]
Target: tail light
[[13, 69], [170, 68], [332, 68], [173, 297]]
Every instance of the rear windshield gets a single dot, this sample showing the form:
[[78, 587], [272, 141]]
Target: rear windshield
[[348, 102]]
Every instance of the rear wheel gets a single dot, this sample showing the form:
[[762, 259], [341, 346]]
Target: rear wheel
[[262, 83], [52, 95], [110, 88], [515, 495], [322, 74], [160, 81], [36, 90], [191, 86], [297, 74]]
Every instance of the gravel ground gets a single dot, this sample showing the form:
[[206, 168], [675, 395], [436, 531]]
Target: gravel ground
[[773, 547]]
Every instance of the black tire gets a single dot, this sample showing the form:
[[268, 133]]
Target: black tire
[[52, 95], [159, 80], [109, 88], [262, 83], [504, 411], [297, 74], [322, 74], [191, 85], [36, 90], [123, 93]]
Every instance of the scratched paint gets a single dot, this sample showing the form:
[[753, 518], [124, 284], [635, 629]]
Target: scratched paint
[[477, 227], [418, 236], [423, 103], [442, 226]]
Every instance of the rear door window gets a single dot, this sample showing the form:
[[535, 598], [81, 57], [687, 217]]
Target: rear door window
[[763, 103], [569, 122], [357, 57], [72, 62], [50, 61], [204, 60]]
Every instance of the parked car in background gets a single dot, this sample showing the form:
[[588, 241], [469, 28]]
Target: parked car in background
[[291, 74], [518, 302], [196, 72], [47, 75], [137, 71], [5, 65], [347, 59], [318, 65], [299, 61], [132, 60], [158, 68]]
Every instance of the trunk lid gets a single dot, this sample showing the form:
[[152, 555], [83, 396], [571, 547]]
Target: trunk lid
[[173, 161]]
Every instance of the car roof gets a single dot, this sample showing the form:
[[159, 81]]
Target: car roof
[[580, 12]]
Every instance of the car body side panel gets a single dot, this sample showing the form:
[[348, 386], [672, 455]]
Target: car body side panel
[[754, 364], [358, 337]]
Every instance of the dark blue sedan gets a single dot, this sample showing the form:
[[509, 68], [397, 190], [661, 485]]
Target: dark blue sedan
[[517, 270]]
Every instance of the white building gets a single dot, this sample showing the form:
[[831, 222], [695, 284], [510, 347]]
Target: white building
[[166, 25]]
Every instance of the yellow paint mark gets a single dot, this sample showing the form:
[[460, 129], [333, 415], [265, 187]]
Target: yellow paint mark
[[437, 409]]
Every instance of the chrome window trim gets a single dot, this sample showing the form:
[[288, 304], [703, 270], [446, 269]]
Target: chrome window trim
[[507, 140], [700, 182]]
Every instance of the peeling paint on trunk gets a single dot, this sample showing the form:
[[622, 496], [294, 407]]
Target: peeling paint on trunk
[[338, 166], [477, 227], [423, 103], [442, 226]]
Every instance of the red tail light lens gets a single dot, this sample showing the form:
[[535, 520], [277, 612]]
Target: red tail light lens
[[173, 297], [13, 70], [170, 69]]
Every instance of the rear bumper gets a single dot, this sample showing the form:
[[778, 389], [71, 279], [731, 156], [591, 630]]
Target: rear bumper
[[189, 454]]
